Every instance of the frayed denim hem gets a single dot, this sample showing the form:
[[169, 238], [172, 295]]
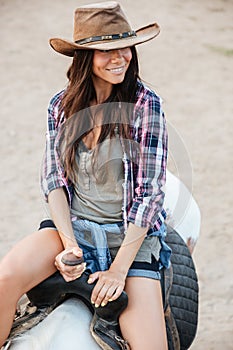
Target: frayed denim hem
[[144, 273]]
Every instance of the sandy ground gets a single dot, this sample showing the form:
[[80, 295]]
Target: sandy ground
[[190, 66]]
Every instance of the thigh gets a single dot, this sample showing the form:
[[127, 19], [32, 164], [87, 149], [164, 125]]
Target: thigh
[[32, 259], [142, 323]]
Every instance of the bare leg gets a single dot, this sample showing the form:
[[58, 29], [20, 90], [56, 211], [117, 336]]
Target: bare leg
[[28, 263], [142, 323]]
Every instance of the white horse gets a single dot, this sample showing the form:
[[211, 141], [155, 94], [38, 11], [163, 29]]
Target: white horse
[[67, 327]]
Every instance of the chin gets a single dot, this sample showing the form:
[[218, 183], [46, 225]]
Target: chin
[[118, 80]]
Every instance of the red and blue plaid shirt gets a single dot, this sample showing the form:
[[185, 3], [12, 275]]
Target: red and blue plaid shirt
[[144, 179]]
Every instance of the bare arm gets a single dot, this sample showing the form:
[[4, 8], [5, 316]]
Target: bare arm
[[111, 283], [129, 248], [60, 214]]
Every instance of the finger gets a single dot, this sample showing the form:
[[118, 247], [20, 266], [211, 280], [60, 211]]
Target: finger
[[82, 270], [109, 295], [99, 293], [117, 293], [101, 296], [72, 278], [74, 275], [72, 269], [96, 292], [93, 277], [77, 251], [69, 277], [79, 268]]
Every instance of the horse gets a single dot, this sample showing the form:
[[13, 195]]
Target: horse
[[67, 326]]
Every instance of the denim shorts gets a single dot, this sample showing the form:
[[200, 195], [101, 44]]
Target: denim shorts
[[100, 243]]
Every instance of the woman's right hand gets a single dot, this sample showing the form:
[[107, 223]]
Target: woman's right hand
[[70, 273]]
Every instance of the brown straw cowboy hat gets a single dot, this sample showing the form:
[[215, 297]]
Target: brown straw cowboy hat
[[103, 26]]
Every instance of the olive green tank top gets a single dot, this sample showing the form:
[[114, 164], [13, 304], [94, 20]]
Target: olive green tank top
[[98, 190]]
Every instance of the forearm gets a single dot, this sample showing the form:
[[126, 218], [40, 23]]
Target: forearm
[[129, 248], [60, 213]]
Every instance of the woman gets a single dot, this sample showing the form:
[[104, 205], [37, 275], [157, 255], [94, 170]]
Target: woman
[[106, 145]]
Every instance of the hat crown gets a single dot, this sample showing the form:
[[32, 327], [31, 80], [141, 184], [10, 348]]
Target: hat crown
[[99, 19]]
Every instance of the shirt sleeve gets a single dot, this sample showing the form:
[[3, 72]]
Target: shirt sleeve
[[52, 173], [149, 171]]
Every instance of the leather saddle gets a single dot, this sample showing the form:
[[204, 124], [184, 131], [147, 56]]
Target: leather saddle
[[179, 286]]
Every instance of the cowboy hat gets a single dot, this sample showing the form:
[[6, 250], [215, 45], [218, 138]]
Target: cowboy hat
[[103, 26]]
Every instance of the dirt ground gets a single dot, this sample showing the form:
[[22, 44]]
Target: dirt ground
[[190, 66]]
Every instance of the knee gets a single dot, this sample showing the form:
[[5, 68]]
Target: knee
[[9, 280], [6, 278]]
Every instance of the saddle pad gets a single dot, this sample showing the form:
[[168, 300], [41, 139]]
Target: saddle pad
[[182, 299]]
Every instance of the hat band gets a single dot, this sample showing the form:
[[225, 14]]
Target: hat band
[[107, 37]]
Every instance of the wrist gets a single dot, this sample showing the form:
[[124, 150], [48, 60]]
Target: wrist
[[119, 268], [70, 245], [68, 241]]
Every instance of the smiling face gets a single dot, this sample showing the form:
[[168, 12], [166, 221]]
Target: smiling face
[[109, 67]]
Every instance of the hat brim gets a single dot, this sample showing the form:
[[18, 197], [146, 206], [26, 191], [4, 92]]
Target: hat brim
[[144, 34]]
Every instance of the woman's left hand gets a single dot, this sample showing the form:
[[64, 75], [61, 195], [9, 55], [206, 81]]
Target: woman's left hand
[[109, 286]]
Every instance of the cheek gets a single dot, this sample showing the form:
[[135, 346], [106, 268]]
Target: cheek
[[99, 64], [128, 56], [97, 61]]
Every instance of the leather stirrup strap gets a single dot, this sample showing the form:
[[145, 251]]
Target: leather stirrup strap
[[173, 329], [170, 321]]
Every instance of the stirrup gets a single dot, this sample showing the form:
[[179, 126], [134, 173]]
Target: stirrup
[[107, 334]]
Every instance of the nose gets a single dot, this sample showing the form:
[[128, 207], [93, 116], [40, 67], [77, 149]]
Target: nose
[[116, 55]]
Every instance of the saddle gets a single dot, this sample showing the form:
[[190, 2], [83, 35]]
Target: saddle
[[179, 286]]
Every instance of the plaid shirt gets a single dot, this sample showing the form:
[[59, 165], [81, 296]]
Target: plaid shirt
[[143, 193]]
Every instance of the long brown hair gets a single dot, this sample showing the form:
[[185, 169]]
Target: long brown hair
[[80, 117]]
